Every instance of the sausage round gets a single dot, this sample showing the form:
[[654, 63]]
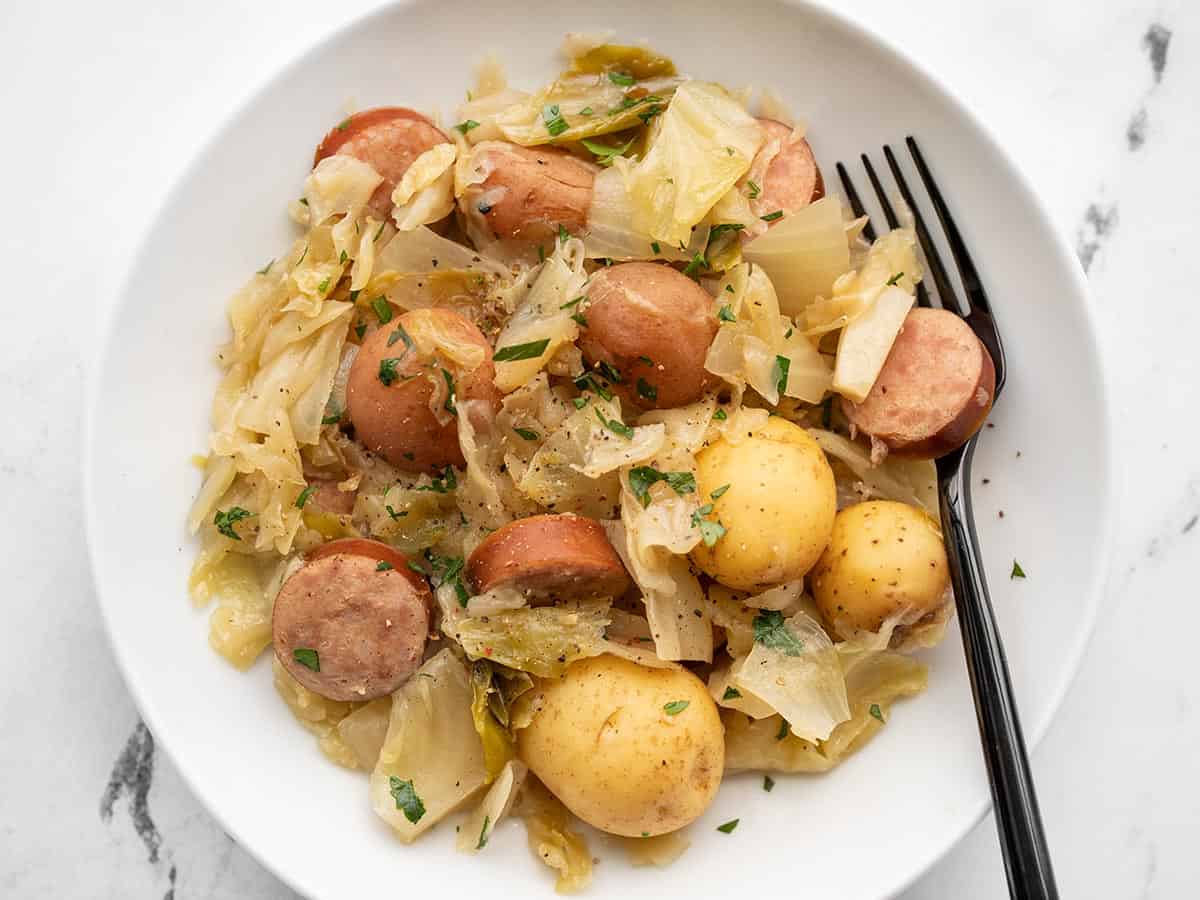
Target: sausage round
[[564, 557], [934, 390], [395, 419], [654, 325], [793, 179], [364, 623], [388, 139], [527, 192]]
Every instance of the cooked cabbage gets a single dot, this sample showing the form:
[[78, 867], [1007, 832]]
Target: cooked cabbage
[[425, 194], [803, 254], [432, 760], [700, 147], [364, 730], [912, 481], [551, 838], [865, 343], [541, 640], [891, 258], [658, 850], [318, 714], [475, 832]]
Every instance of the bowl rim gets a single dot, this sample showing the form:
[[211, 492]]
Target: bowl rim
[[830, 16]]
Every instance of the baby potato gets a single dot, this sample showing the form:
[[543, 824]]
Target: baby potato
[[631, 750], [884, 558], [777, 511]]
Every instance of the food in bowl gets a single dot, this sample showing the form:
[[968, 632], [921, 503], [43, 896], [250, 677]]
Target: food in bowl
[[579, 453]]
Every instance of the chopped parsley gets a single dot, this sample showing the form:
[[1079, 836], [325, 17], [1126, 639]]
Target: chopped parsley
[[383, 566], [344, 124], [400, 335], [406, 799], [725, 314], [784, 730], [692, 269], [755, 190], [304, 495], [720, 415], [302, 255], [771, 217], [647, 360], [768, 783], [728, 827], [571, 303], [483, 833], [621, 78], [360, 329], [1017, 571], [616, 426], [450, 392], [527, 434], [448, 570], [387, 371], [342, 258], [586, 111], [771, 631], [642, 477], [383, 309], [715, 231], [443, 484], [675, 707], [579, 319], [711, 532], [267, 268], [731, 693], [654, 245], [398, 515], [646, 390], [555, 123], [609, 371], [379, 233], [323, 287], [588, 383], [515, 352], [465, 126], [541, 253], [719, 492], [333, 416], [782, 365], [579, 402], [353, 297], [895, 278], [563, 234], [604, 153], [307, 657], [876, 712], [225, 519]]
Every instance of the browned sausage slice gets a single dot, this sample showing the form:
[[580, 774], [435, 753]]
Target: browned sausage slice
[[528, 192], [388, 139], [561, 557], [653, 324], [793, 179], [390, 388], [934, 390], [359, 617]]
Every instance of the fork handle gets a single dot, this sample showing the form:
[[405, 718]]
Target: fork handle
[[1026, 857]]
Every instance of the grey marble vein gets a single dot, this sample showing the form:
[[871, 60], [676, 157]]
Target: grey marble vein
[[1155, 42], [1098, 224], [132, 775]]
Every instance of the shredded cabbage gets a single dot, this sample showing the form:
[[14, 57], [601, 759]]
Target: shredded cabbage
[[803, 254], [475, 832], [912, 481], [552, 839], [541, 640], [425, 194]]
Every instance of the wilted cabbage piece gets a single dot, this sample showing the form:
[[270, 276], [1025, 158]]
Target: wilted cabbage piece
[[364, 730], [872, 686], [425, 193], [804, 254], [912, 481], [659, 850], [475, 832], [431, 761], [541, 640], [552, 839], [493, 733], [318, 714], [240, 625]]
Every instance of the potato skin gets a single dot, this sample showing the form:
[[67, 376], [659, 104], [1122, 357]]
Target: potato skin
[[395, 420], [884, 557], [778, 511], [640, 311], [606, 747]]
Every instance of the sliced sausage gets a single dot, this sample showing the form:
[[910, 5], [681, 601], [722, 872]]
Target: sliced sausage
[[563, 557], [934, 390], [392, 387], [351, 623], [653, 325], [388, 139], [793, 179], [526, 193]]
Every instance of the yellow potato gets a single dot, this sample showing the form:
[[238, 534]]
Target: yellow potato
[[777, 512], [631, 750], [884, 558]]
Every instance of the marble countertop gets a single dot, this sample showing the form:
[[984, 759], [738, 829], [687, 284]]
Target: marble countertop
[[1097, 103]]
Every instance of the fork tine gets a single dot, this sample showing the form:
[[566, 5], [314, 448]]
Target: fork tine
[[966, 267], [855, 204], [892, 220], [947, 294]]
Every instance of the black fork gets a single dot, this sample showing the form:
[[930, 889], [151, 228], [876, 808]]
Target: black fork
[[1023, 841]]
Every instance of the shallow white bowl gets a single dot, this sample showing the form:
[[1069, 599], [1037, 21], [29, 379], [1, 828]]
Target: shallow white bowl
[[865, 830]]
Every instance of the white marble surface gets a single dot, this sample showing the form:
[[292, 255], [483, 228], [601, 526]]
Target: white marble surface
[[104, 104]]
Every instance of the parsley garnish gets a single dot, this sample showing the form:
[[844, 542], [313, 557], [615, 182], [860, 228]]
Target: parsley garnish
[[784, 729], [515, 352], [895, 278], [443, 484], [716, 495], [755, 190], [464, 127], [1017, 571], [267, 268], [563, 234], [571, 303], [768, 783], [771, 217], [323, 287], [383, 310], [725, 314], [876, 712], [720, 415], [225, 519], [450, 390], [675, 707], [692, 269], [304, 495], [398, 515], [448, 570], [383, 566], [302, 255], [342, 258], [728, 827], [609, 371], [344, 124], [771, 631], [585, 382], [483, 833], [616, 426], [579, 319], [731, 693], [378, 233], [406, 799], [400, 335], [642, 477], [711, 532], [307, 657], [646, 390], [527, 434], [621, 78], [332, 417], [555, 123], [586, 111], [579, 402], [604, 153], [387, 371], [782, 365], [360, 329], [654, 245]]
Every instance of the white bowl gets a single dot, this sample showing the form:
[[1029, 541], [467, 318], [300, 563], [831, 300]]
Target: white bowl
[[863, 831]]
